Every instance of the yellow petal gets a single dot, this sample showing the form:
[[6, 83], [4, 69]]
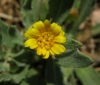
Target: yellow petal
[[32, 43], [58, 48], [33, 46], [44, 51], [55, 49], [47, 23], [39, 51], [62, 48], [31, 33], [27, 35], [56, 30], [53, 25], [62, 33], [39, 25], [52, 53], [35, 32], [35, 25], [46, 55], [60, 39]]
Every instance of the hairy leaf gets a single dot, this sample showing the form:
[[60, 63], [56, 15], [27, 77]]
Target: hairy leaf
[[30, 11], [5, 77], [10, 35], [4, 67], [72, 44], [74, 59], [22, 75]]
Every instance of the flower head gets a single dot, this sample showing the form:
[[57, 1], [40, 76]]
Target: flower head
[[46, 38]]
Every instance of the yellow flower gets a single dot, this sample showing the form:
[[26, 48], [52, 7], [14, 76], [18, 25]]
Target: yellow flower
[[46, 38]]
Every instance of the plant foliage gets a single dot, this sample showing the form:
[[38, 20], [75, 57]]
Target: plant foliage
[[21, 66]]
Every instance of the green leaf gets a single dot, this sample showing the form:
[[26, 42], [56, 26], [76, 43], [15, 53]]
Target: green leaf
[[33, 77], [67, 16], [15, 35], [50, 69], [74, 59], [77, 4], [0, 43], [53, 74], [10, 35], [88, 76], [24, 83], [4, 32], [86, 7], [51, 84], [30, 11], [73, 14], [26, 4], [36, 9], [44, 10], [72, 44], [14, 55], [4, 67], [5, 77], [63, 17], [66, 73], [96, 29], [31, 72], [57, 8], [73, 82], [22, 75], [18, 63], [16, 78]]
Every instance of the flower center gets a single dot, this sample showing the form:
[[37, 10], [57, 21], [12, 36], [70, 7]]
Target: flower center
[[45, 40]]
